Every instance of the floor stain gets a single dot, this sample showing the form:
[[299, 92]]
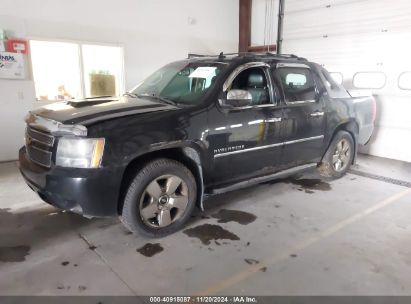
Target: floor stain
[[251, 261], [241, 217], [65, 263], [293, 255], [82, 288], [311, 183], [309, 191], [263, 269], [92, 247], [208, 232], [149, 249], [14, 254]]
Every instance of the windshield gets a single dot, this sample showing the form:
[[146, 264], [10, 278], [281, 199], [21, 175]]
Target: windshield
[[180, 82]]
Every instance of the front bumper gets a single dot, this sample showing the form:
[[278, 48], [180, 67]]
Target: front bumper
[[90, 192]]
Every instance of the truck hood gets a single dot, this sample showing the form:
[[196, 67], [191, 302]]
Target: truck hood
[[92, 110]]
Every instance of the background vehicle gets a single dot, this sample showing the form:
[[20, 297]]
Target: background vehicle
[[196, 127]]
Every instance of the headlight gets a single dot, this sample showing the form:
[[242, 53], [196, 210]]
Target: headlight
[[80, 152]]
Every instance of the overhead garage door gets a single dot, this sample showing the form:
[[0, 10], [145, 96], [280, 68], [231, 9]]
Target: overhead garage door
[[369, 44]]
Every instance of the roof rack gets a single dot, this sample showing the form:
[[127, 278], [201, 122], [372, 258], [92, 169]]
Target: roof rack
[[266, 54], [220, 56], [288, 56]]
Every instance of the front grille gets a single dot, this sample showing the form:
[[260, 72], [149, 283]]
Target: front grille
[[39, 146]]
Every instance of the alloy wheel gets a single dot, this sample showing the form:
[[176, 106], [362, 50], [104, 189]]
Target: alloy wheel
[[342, 155], [163, 201]]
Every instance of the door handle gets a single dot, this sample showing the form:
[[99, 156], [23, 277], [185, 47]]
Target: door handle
[[275, 119], [317, 114]]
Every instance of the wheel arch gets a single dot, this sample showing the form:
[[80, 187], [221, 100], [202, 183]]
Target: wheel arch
[[189, 156], [352, 128]]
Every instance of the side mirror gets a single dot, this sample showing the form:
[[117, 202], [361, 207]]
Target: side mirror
[[237, 98]]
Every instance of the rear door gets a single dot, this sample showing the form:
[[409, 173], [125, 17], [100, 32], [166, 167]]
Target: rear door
[[303, 114]]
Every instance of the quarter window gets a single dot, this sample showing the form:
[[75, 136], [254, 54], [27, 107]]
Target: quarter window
[[404, 81], [298, 84], [369, 80]]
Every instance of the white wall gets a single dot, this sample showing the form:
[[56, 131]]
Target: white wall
[[365, 35], [152, 32]]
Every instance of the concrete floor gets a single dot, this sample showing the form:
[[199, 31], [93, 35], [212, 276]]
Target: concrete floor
[[350, 236]]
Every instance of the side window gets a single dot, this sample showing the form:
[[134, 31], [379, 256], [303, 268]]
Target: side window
[[253, 80], [298, 83]]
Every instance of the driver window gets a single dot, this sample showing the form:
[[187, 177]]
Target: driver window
[[253, 80]]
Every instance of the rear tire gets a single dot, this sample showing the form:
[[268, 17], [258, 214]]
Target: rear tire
[[339, 156], [160, 198]]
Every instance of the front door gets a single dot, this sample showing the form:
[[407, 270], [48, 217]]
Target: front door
[[303, 115], [246, 140]]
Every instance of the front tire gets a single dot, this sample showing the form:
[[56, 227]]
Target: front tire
[[160, 198], [339, 156]]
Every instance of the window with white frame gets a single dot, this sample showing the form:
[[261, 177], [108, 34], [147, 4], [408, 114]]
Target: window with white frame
[[65, 70], [404, 81], [369, 80]]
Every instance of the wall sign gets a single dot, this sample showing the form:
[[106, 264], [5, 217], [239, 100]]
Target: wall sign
[[16, 46], [11, 65]]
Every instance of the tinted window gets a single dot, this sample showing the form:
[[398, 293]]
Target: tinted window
[[369, 80], [180, 82], [404, 81], [298, 84]]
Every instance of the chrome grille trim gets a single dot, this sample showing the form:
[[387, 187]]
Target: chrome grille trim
[[40, 137], [38, 146], [39, 156]]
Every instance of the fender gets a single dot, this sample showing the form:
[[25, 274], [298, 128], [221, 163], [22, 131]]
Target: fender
[[351, 126], [191, 153]]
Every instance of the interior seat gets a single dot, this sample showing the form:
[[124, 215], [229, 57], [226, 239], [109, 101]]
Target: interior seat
[[257, 86]]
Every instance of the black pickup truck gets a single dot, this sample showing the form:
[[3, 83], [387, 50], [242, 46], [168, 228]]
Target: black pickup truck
[[194, 128]]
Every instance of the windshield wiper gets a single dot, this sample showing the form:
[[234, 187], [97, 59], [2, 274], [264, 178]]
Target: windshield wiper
[[157, 97]]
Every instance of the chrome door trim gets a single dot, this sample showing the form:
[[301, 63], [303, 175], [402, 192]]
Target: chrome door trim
[[239, 69], [300, 102], [247, 150], [303, 139], [269, 146]]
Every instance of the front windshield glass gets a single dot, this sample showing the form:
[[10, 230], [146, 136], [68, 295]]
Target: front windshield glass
[[180, 82]]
